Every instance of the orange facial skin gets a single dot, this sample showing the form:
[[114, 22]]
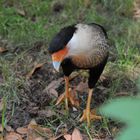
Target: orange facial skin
[[58, 56]]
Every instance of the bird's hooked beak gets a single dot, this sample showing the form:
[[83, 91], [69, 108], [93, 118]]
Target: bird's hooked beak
[[58, 57]]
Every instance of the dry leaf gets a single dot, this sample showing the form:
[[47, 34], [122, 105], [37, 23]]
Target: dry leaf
[[36, 131], [39, 138], [67, 137], [37, 66], [32, 122], [40, 130], [9, 128], [53, 92], [20, 12], [76, 135], [22, 130], [2, 50], [54, 84], [46, 113], [13, 136]]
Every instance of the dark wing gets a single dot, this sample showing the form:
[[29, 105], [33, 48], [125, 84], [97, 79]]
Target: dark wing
[[61, 39]]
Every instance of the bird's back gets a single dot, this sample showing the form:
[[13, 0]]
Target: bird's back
[[86, 38], [88, 47]]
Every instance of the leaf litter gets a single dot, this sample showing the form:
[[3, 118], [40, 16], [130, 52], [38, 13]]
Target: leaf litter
[[2, 50], [42, 88]]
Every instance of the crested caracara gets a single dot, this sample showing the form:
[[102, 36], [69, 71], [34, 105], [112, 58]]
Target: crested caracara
[[80, 46]]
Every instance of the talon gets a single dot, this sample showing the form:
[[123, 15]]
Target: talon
[[68, 99], [87, 116]]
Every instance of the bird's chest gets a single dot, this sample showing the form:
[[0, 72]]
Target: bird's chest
[[68, 66]]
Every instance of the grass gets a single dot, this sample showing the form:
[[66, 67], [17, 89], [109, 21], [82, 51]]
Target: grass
[[23, 24]]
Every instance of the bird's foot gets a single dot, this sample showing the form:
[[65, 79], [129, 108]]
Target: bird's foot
[[69, 98], [87, 116]]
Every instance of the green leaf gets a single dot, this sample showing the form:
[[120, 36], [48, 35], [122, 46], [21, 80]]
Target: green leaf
[[128, 111], [130, 133]]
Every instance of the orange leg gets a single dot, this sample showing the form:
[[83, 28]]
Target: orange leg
[[87, 113], [67, 96]]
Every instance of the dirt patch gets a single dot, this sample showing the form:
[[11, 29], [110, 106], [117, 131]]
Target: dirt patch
[[37, 98]]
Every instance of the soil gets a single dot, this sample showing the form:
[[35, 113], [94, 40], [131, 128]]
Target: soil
[[37, 101]]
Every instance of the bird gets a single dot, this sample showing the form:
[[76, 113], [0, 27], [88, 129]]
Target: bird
[[80, 46]]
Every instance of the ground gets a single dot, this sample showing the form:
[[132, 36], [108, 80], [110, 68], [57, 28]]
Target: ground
[[26, 29]]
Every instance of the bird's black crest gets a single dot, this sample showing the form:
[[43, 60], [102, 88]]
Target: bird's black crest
[[61, 39], [102, 28]]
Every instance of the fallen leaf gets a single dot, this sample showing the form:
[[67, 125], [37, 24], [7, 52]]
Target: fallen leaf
[[32, 122], [40, 130], [54, 84], [76, 135], [36, 131], [9, 128], [68, 137], [50, 90], [46, 113], [2, 50], [13, 136], [20, 12], [37, 66], [22, 130], [39, 138], [54, 93]]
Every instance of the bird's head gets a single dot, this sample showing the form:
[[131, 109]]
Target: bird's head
[[57, 57], [58, 47]]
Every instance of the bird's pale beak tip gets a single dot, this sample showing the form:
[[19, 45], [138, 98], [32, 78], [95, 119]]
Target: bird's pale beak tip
[[56, 65]]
